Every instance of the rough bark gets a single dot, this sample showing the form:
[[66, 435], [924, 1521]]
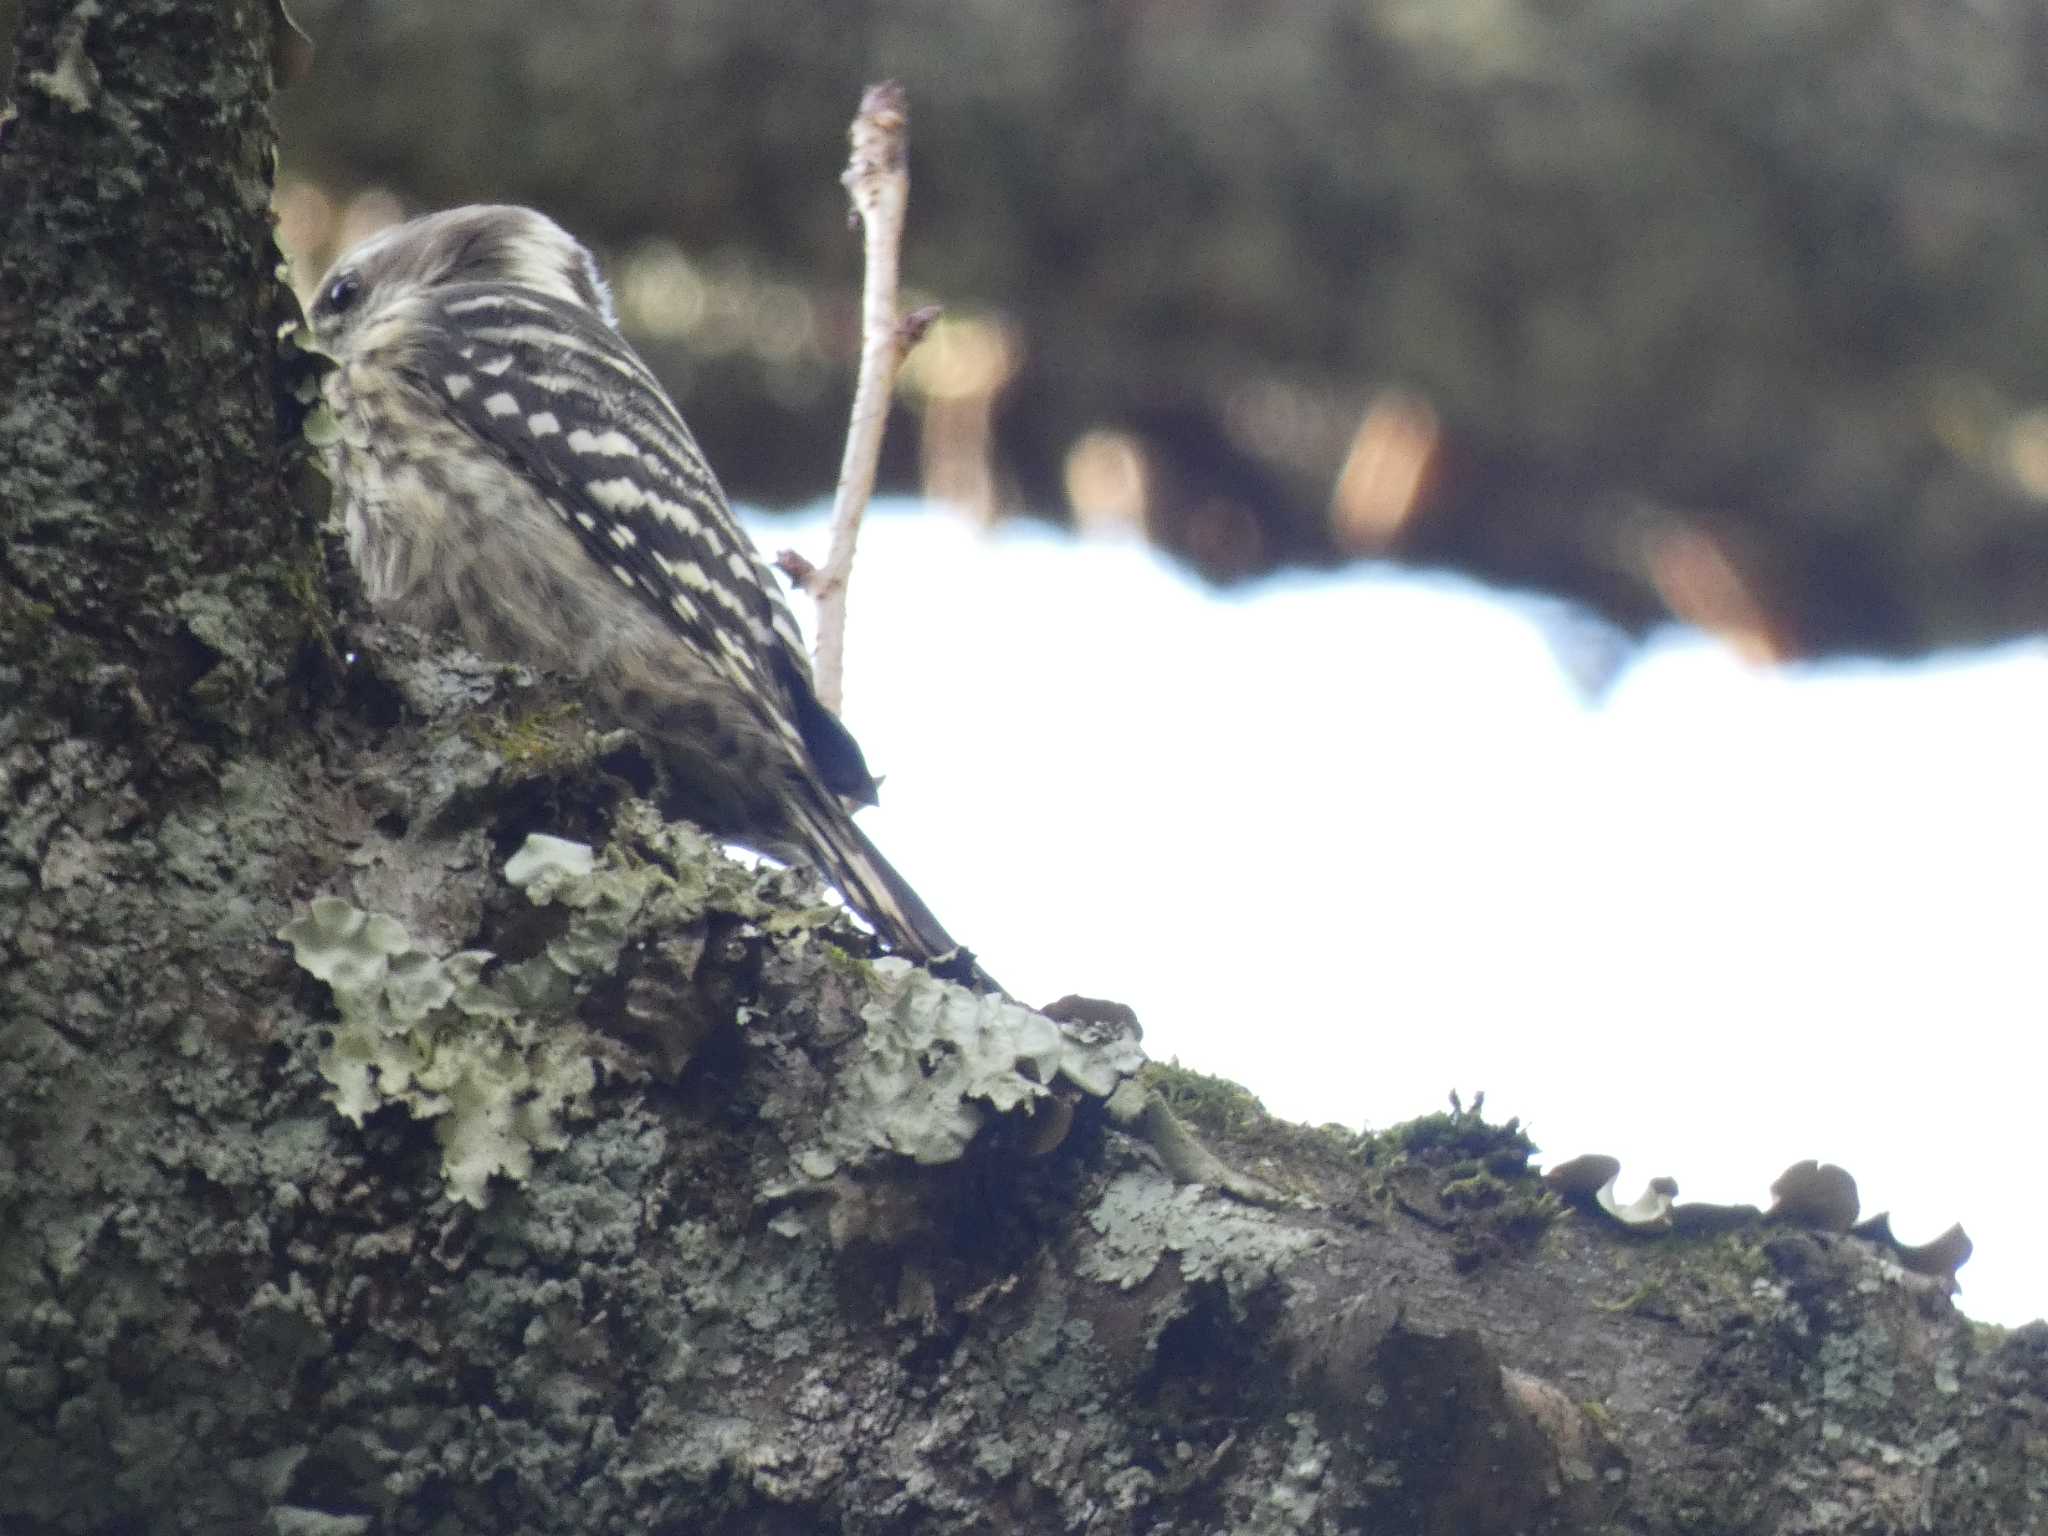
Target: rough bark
[[779, 1238]]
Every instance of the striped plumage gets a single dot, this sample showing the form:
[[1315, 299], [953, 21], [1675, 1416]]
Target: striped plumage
[[508, 469]]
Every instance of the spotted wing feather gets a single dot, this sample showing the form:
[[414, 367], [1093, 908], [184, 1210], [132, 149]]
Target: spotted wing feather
[[561, 396]]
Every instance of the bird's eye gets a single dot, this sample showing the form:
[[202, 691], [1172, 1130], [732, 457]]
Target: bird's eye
[[342, 292]]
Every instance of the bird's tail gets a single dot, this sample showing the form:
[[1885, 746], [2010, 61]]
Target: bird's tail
[[872, 888]]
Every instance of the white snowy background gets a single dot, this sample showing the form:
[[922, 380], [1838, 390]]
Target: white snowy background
[[1356, 840]]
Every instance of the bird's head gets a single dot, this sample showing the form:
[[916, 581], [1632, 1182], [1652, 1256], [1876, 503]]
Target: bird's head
[[481, 243]]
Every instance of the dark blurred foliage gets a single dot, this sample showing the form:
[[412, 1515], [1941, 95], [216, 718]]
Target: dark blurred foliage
[[1734, 310]]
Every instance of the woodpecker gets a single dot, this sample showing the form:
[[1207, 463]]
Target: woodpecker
[[509, 471]]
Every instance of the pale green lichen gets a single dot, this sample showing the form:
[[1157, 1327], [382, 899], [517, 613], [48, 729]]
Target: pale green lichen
[[605, 899], [938, 1060], [74, 81], [498, 1064], [321, 429], [1296, 1494], [694, 875], [488, 1061], [1142, 1217]]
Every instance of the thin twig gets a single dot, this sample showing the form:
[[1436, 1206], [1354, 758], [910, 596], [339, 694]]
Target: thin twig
[[877, 179]]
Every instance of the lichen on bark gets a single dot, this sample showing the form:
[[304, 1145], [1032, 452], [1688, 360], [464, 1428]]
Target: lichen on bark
[[224, 1306]]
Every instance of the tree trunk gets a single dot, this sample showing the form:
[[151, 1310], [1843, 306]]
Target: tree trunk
[[370, 1164]]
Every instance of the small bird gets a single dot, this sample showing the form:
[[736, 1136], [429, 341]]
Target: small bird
[[509, 471]]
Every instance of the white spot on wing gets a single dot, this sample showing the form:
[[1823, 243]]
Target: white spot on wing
[[565, 384], [496, 365], [458, 385], [686, 573], [623, 536], [613, 442], [623, 574], [501, 300], [501, 404], [542, 423], [556, 339], [620, 495], [627, 495]]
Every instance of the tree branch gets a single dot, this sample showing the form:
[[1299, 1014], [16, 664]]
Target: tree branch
[[877, 179]]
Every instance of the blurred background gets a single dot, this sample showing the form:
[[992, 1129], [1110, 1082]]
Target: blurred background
[[1736, 312], [1479, 543]]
